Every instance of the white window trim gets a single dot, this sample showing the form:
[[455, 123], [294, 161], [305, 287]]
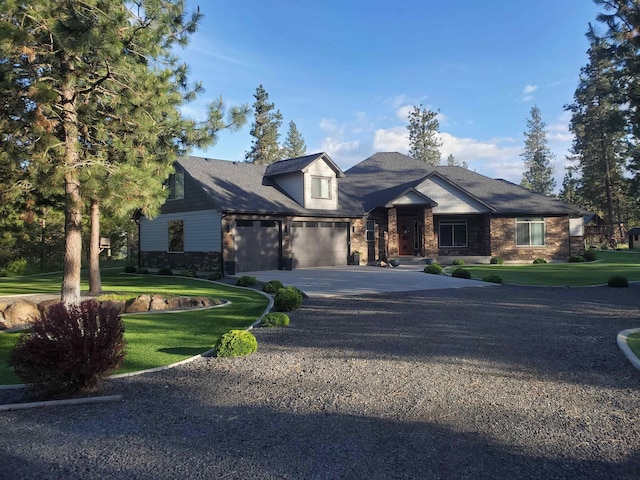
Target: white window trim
[[453, 223], [529, 221], [329, 187]]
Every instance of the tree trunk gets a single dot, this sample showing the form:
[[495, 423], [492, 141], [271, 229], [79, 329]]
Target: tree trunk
[[95, 283], [73, 197]]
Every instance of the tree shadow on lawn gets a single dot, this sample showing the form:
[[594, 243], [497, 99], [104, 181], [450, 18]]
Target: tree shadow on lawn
[[568, 334]]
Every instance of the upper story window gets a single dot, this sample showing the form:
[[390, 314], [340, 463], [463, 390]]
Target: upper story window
[[320, 187], [530, 232], [176, 186]]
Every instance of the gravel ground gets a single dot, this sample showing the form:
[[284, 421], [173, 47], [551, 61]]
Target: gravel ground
[[469, 383]]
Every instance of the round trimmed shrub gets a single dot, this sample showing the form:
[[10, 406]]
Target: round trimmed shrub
[[275, 319], [214, 276], [496, 261], [236, 343], [142, 270], [70, 349], [492, 279], [618, 281], [539, 261], [287, 299], [130, 269], [461, 273], [191, 273], [434, 269], [576, 259], [458, 262], [165, 271], [247, 281], [272, 286], [590, 255]]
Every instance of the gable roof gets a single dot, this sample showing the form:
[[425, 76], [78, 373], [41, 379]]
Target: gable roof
[[300, 164], [380, 178], [241, 187]]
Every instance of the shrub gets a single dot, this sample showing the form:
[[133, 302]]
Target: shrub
[[539, 261], [165, 271], [142, 270], [576, 259], [287, 299], [70, 349], [618, 281], [296, 289], [496, 261], [16, 267], [236, 343], [275, 319], [461, 273], [130, 269], [434, 269], [590, 255], [272, 286], [458, 262], [492, 279], [214, 276], [191, 273], [247, 281]]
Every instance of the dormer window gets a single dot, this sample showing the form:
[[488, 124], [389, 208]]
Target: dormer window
[[321, 187], [176, 186]]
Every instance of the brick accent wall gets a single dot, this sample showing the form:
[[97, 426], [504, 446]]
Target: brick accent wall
[[503, 240], [430, 242], [201, 261], [393, 232], [577, 245], [359, 239]]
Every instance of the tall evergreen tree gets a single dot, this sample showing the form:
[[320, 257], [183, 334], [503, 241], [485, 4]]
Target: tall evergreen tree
[[293, 145], [98, 72], [453, 162], [265, 149], [538, 174], [571, 186], [424, 128], [599, 128]]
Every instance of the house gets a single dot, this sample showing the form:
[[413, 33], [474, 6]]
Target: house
[[634, 238], [254, 217]]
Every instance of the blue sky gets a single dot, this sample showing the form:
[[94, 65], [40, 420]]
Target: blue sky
[[348, 72]]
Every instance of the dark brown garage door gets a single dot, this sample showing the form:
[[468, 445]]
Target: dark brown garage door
[[257, 244], [319, 244]]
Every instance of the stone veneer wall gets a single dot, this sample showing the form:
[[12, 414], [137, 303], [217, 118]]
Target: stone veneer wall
[[430, 243], [392, 237], [202, 261], [503, 240], [359, 238], [577, 245]]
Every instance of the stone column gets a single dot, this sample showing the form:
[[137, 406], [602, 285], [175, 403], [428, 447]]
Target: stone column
[[430, 238], [392, 216]]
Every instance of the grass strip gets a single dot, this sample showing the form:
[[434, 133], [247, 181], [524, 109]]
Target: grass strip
[[633, 341]]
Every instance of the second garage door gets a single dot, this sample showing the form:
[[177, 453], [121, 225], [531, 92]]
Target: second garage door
[[319, 244], [257, 245]]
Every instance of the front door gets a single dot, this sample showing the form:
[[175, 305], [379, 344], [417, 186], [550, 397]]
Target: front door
[[405, 236]]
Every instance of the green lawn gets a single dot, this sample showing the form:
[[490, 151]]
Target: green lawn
[[153, 339], [633, 341], [608, 264]]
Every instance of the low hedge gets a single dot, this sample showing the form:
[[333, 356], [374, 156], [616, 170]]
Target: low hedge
[[496, 261], [618, 281], [275, 319], [247, 281], [492, 279], [461, 273], [539, 261], [433, 269], [272, 286], [236, 343], [287, 299]]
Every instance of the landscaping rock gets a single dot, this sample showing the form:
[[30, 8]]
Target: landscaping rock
[[138, 304], [119, 305], [45, 305], [21, 313], [2, 325], [158, 302], [3, 306], [174, 303]]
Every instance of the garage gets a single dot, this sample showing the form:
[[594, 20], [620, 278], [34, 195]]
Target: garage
[[257, 245], [319, 244]]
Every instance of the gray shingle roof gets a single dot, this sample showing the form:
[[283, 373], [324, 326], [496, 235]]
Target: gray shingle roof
[[380, 178], [292, 165], [241, 187]]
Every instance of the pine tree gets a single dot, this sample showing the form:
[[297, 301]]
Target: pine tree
[[452, 162], [538, 174], [424, 143], [599, 128], [265, 148], [293, 145], [571, 185], [94, 74]]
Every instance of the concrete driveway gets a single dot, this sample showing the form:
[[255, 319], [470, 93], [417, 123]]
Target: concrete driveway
[[361, 280]]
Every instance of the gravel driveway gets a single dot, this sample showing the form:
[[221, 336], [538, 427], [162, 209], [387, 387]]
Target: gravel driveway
[[447, 384]]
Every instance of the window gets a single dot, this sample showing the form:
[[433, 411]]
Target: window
[[371, 225], [176, 186], [321, 187], [176, 235], [453, 233], [244, 223], [530, 232]]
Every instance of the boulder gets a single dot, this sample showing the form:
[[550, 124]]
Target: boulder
[[138, 304], [2, 325], [21, 313], [3, 306], [158, 302], [45, 305], [119, 305], [174, 303]]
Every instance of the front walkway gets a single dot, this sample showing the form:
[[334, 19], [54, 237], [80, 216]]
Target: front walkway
[[361, 280]]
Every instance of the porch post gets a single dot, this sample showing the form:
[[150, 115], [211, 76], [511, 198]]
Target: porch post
[[392, 216], [430, 240]]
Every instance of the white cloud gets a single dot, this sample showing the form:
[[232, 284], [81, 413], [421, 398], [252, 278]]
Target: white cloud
[[328, 125], [527, 92], [395, 139]]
